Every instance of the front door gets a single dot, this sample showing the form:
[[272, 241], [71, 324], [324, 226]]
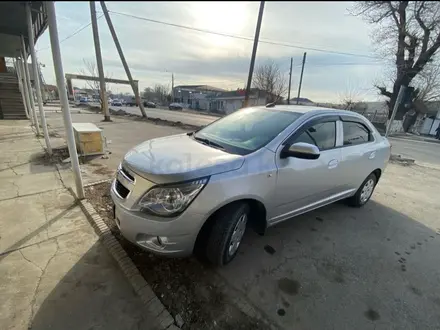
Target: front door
[[304, 183]]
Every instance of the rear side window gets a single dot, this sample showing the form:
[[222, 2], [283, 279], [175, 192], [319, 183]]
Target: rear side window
[[355, 133], [323, 135]]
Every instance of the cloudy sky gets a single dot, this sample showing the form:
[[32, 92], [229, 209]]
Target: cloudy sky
[[155, 50]]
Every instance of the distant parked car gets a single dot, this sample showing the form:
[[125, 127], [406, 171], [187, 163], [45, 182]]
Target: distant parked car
[[116, 103], [175, 106], [150, 104], [83, 100]]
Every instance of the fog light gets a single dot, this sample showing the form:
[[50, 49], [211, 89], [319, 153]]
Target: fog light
[[162, 240]]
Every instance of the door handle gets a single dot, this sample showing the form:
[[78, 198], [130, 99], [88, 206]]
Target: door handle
[[333, 163]]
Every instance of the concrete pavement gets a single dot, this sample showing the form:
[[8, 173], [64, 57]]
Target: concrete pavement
[[54, 272]]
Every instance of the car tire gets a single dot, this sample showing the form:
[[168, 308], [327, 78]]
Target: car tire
[[364, 193], [227, 233]]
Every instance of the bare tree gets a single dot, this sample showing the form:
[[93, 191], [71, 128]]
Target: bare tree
[[92, 70], [161, 92], [268, 78], [410, 32], [352, 98], [429, 84]]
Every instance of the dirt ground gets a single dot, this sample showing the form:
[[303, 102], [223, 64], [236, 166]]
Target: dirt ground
[[185, 286]]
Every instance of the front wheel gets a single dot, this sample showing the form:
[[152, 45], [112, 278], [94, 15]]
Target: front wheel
[[364, 192], [227, 233]]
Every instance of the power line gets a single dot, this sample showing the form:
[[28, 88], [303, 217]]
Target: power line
[[73, 34], [265, 41]]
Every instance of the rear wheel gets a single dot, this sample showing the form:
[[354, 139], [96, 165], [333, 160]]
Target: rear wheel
[[227, 233], [364, 192]]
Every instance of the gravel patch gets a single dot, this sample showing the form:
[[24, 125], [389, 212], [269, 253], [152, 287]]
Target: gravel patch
[[188, 289]]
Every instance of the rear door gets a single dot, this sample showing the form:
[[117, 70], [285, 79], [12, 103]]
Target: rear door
[[303, 183], [358, 152]]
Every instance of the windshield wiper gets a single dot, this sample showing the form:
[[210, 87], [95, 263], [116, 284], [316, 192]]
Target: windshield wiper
[[209, 142]]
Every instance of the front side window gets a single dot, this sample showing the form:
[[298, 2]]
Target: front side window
[[355, 133], [323, 135], [247, 130]]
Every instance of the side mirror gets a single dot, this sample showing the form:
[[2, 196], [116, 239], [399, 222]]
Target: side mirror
[[300, 150]]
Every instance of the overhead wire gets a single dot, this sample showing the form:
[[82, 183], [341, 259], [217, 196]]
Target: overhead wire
[[264, 41], [73, 34]]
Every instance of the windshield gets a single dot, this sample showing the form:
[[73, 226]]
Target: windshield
[[247, 130]]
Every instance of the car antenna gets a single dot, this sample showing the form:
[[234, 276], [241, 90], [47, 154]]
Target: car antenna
[[270, 105]]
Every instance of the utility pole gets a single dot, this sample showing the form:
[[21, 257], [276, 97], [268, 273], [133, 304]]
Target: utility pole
[[172, 87], [399, 99], [121, 55], [254, 54], [102, 91], [290, 80], [301, 78]]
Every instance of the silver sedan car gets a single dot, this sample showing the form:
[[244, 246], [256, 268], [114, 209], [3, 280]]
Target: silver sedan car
[[200, 191]]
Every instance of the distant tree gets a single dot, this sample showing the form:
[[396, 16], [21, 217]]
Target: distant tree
[[161, 92], [269, 78], [352, 99], [148, 93], [429, 84], [408, 31]]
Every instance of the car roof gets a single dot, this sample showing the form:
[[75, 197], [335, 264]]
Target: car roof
[[299, 108], [312, 110]]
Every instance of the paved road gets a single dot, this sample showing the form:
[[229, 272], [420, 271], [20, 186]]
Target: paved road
[[426, 152]]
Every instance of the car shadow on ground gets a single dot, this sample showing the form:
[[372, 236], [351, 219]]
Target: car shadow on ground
[[343, 268]]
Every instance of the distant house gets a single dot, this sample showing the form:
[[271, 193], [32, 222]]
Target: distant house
[[228, 102], [189, 94], [428, 118]]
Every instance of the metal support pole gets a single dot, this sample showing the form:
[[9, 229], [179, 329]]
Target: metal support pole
[[30, 93], [37, 77], [102, 90], [58, 66], [254, 54], [290, 80], [301, 78], [121, 55], [402, 91], [21, 86], [172, 87]]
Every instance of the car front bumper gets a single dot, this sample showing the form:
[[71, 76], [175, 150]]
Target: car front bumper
[[164, 236]]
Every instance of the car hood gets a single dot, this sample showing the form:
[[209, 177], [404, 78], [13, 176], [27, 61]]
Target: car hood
[[179, 158]]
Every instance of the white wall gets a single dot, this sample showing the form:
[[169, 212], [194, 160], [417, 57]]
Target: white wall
[[426, 127], [434, 126]]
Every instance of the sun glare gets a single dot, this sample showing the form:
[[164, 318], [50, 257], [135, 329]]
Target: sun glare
[[224, 17]]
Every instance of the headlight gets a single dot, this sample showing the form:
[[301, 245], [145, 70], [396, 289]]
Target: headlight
[[170, 200]]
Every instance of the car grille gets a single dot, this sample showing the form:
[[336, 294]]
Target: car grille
[[128, 175], [121, 190]]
